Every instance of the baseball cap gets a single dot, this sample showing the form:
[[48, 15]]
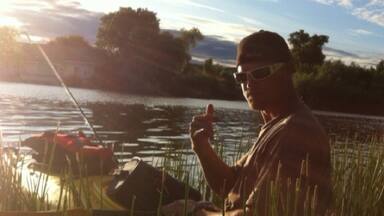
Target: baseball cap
[[263, 46]]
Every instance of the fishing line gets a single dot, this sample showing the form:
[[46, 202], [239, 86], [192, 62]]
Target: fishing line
[[68, 92]]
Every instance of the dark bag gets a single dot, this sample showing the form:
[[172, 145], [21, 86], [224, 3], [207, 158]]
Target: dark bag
[[144, 182]]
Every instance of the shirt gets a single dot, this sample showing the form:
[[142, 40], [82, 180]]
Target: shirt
[[285, 141]]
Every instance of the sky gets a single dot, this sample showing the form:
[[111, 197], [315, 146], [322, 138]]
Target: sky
[[355, 27]]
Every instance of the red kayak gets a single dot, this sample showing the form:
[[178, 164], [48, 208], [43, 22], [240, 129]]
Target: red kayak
[[74, 151]]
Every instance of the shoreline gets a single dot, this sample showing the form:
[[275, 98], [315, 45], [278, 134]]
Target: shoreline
[[371, 113]]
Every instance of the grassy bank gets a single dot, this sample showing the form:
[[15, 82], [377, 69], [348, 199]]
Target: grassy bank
[[357, 175]]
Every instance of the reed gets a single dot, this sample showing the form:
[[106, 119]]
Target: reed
[[24, 190], [357, 181]]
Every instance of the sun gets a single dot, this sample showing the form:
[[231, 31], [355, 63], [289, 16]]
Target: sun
[[5, 20], [10, 21]]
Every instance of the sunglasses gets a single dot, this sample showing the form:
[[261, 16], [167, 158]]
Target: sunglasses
[[257, 73]]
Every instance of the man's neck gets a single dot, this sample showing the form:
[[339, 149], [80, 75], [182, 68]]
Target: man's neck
[[282, 109]]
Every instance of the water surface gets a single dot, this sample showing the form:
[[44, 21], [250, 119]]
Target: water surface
[[147, 126]]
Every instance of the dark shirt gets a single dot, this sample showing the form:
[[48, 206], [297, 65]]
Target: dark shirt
[[286, 140]]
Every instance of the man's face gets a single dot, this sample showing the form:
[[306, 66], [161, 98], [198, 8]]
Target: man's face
[[260, 91]]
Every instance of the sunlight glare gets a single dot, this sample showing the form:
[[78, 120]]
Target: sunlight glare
[[34, 38], [103, 6], [5, 5], [10, 21]]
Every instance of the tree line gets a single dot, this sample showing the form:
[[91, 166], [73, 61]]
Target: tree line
[[147, 60], [332, 84], [141, 58]]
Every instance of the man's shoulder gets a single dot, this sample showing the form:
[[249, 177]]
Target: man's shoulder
[[302, 129], [303, 121]]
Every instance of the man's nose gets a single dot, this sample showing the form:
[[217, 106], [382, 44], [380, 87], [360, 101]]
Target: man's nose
[[245, 86]]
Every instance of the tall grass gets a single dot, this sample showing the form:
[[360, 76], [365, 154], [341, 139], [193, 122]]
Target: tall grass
[[358, 178], [25, 188], [357, 181]]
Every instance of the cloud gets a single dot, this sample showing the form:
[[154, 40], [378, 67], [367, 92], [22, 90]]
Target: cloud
[[361, 32], [371, 11], [373, 14], [344, 3], [213, 47], [220, 50], [325, 2], [228, 31], [376, 2], [196, 4], [52, 18], [34, 39], [224, 52], [251, 21], [10, 21], [363, 58], [190, 2], [338, 52]]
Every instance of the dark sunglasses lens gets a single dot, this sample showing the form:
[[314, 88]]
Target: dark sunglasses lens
[[240, 77], [261, 73]]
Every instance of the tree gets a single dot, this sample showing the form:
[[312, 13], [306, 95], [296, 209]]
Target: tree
[[134, 37], [10, 52], [170, 52], [380, 67], [306, 49], [71, 40], [208, 66], [9, 47], [125, 30], [191, 37]]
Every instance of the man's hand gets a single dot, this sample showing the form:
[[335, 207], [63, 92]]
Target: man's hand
[[177, 208], [201, 129]]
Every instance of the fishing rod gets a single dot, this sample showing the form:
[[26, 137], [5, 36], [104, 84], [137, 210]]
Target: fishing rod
[[68, 92]]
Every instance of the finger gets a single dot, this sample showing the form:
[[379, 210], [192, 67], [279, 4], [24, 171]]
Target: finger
[[202, 133], [195, 126], [200, 124], [199, 117], [209, 112]]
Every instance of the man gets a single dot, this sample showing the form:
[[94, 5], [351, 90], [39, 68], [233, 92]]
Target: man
[[292, 150]]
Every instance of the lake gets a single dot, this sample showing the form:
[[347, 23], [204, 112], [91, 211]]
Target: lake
[[148, 127]]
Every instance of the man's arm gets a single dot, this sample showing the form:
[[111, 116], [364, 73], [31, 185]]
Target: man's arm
[[219, 175], [203, 212]]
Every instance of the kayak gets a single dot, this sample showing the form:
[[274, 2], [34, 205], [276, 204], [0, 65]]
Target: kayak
[[136, 188], [64, 194], [86, 192]]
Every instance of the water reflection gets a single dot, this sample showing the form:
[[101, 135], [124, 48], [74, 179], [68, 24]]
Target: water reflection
[[136, 130], [152, 127], [148, 131]]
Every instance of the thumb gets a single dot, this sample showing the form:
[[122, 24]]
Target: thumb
[[209, 111]]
